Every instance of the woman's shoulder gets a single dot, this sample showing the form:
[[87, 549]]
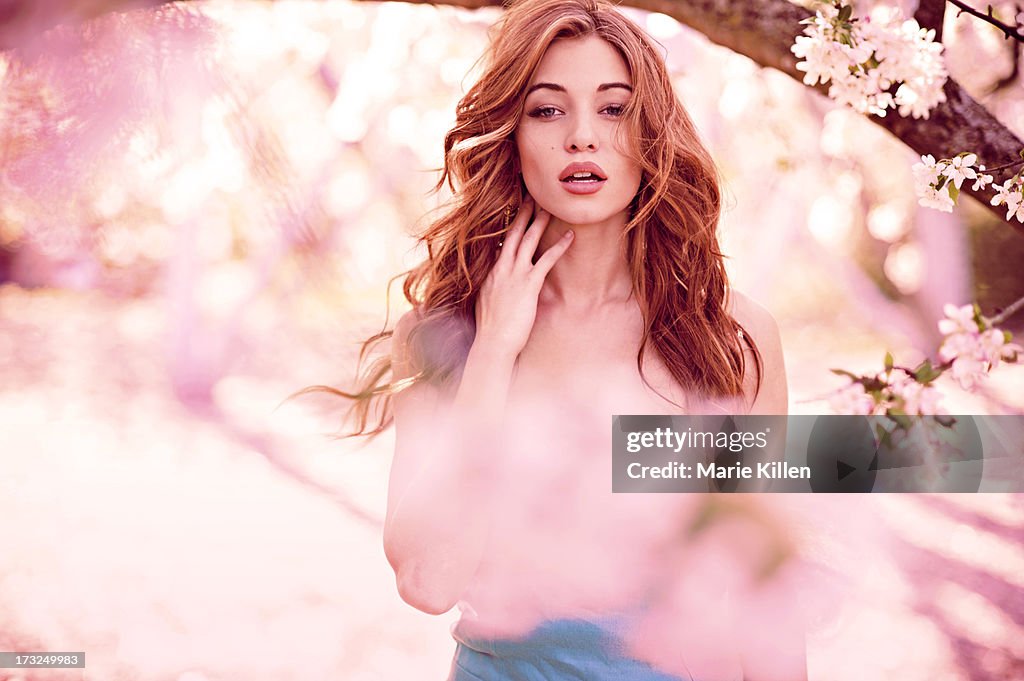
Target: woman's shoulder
[[761, 327], [402, 360], [406, 322], [751, 315]]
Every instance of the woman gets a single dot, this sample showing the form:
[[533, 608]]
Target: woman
[[575, 275]]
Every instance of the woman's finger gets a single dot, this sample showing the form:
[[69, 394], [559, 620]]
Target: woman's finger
[[515, 231], [551, 256], [528, 246]]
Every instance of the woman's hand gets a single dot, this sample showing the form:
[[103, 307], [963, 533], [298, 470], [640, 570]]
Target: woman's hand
[[506, 307]]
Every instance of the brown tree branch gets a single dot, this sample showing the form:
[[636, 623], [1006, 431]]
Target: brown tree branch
[[763, 30], [1008, 32], [930, 14]]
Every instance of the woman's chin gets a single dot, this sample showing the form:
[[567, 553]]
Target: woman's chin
[[574, 216]]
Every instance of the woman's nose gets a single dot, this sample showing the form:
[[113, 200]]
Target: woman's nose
[[582, 135]]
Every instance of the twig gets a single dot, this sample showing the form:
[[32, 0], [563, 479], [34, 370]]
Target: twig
[[1004, 167], [1007, 312], [1008, 32]]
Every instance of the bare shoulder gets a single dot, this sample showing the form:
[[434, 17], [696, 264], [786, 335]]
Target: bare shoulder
[[760, 325], [749, 313], [401, 360], [405, 323]]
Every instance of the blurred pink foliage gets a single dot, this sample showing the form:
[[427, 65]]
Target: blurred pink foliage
[[228, 187]]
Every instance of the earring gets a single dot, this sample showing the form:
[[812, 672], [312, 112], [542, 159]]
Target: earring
[[508, 219]]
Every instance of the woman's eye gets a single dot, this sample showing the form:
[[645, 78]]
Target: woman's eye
[[543, 112], [550, 111]]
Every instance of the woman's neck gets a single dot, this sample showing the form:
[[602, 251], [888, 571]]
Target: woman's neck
[[594, 272]]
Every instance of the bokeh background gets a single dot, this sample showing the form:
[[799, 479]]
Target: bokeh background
[[201, 206]]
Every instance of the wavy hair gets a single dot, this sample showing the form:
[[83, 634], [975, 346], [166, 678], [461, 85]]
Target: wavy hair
[[678, 273]]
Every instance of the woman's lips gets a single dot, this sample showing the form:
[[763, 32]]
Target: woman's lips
[[588, 167], [583, 186]]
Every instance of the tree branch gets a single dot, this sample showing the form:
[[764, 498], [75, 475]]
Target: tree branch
[[1008, 32], [762, 30], [930, 14], [1008, 312]]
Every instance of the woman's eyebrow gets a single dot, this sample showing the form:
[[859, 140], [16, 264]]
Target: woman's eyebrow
[[559, 88]]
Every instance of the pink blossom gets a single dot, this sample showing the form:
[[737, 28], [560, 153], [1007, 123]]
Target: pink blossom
[[853, 400], [958, 319], [918, 399], [969, 371], [994, 348], [958, 344]]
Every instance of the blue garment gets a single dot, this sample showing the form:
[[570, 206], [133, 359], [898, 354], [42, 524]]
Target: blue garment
[[556, 650]]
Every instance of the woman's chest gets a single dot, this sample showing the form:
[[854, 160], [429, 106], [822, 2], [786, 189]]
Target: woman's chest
[[588, 367], [556, 515]]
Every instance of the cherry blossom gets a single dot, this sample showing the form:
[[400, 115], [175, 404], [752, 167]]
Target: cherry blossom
[[958, 320], [995, 347], [981, 180], [1011, 193], [914, 398], [968, 371], [959, 169], [852, 399], [972, 345], [928, 176], [971, 348], [863, 60], [937, 183]]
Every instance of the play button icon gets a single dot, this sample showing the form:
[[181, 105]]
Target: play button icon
[[841, 454]]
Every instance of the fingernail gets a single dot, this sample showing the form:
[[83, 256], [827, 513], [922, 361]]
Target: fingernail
[[570, 234]]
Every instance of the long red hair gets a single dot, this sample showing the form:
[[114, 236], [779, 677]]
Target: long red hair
[[678, 273]]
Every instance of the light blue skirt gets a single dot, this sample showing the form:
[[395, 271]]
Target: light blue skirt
[[556, 650]]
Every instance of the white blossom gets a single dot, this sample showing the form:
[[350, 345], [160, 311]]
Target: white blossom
[[817, 59], [934, 181], [1011, 193], [958, 320], [939, 199], [864, 61], [959, 169], [926, 178], [925, 173], [982, 180]]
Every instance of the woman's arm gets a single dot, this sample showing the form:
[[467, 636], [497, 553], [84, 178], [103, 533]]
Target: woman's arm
[[439, 493], [447, 455]]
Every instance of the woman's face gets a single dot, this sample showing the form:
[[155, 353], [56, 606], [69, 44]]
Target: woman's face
[[573, 109]]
